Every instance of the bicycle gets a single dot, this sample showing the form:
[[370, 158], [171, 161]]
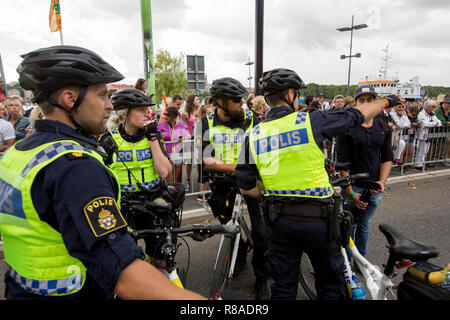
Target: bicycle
[[402, 252], [169, 246], [225, 263], [164, 233]]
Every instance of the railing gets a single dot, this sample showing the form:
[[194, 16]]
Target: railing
[[189, 157], [413, 148], [417, 148]]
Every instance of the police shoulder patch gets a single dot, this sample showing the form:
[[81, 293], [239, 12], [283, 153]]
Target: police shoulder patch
[[103, 216]]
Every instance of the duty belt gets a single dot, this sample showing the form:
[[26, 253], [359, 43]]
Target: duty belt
[[47, 287], [298, 211]]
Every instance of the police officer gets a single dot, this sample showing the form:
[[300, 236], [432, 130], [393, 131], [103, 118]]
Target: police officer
[[136, 153], [222, 133], [284, 151], [63, 234]]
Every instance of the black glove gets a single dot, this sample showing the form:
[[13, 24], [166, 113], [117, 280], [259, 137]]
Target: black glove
[[393, 100], [150, 130]]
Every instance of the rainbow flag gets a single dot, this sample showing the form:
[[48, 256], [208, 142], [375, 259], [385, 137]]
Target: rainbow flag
[[165, 104], [54, 19]]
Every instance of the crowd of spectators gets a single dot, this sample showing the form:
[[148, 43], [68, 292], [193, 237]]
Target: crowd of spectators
[[411, 123]]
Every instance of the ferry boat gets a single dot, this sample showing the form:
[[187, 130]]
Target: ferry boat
[[386, 85]]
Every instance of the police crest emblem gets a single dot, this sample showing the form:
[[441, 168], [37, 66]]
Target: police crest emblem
[[106, 220]]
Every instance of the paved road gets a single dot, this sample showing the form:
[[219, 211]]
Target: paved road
[[418, 209]]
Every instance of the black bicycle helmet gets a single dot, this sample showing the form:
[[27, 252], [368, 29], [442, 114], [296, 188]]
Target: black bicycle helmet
[[278, 80], [227, 88], [129, 98], [48, 69]]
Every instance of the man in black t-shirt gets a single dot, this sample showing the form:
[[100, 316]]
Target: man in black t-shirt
[[368, 148]]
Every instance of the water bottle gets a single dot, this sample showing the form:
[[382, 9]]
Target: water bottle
[[357, 289]]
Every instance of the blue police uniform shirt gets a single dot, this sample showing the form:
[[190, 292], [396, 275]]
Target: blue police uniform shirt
[[324, 124], [60, 192]]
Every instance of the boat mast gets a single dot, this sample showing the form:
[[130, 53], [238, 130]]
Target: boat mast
[[384, 61]]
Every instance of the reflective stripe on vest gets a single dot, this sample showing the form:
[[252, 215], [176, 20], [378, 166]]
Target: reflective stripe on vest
[[137, 157], [132, 187], [227, 142], [47, 287], [288, 159]]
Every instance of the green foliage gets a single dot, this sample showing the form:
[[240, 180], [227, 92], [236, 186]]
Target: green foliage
[[15, 86], [329, 90], [170, 75], [434, 91]]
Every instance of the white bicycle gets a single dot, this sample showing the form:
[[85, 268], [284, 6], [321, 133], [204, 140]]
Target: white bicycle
[[402, 251]]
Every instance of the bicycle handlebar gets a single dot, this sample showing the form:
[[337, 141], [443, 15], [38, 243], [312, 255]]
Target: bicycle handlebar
[[338, 165], [348, 180], [143, 206], [196, 228]]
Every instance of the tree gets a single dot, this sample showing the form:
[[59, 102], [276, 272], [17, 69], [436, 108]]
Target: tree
[[170, 74]]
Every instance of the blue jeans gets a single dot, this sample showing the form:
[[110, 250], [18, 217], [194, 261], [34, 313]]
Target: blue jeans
[[360, 230]]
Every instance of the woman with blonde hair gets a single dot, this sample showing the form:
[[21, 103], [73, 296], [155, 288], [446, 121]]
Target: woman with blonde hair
[[259, 107], [36, 114], [137, 156]]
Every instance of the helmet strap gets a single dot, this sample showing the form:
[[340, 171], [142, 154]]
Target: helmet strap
[[216, 102], [291, 104], [75, 106]]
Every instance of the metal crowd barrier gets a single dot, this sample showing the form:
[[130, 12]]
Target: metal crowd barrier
[[412, 148], [408, 145], [417, 149], [183, 154]]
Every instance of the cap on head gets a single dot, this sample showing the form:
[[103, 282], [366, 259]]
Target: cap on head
[[446, 99], [278, 80], [48, 69], [129, 98], [365, 89]]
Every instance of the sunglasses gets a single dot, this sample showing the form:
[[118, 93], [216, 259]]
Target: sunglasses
[[236, 100]]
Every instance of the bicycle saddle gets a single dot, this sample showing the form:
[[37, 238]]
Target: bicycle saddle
[[404, 248]]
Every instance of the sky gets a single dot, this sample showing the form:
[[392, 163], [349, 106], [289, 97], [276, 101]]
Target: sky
[[298, 34]]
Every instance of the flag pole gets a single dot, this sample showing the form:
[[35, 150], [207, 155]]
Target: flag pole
[[61, 37], [146, 18]]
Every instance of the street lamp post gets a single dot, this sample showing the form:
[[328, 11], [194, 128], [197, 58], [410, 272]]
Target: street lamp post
[[358, 55], [249, 63]]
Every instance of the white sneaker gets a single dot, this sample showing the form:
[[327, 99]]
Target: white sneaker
[[187, 187]]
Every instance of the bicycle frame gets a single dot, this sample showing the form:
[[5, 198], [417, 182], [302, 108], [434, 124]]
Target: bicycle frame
[[237, 220], [377, 283], [173, 276]]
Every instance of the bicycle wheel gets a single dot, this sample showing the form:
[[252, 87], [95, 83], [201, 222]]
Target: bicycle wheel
[[220, 274], [307, 277]]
